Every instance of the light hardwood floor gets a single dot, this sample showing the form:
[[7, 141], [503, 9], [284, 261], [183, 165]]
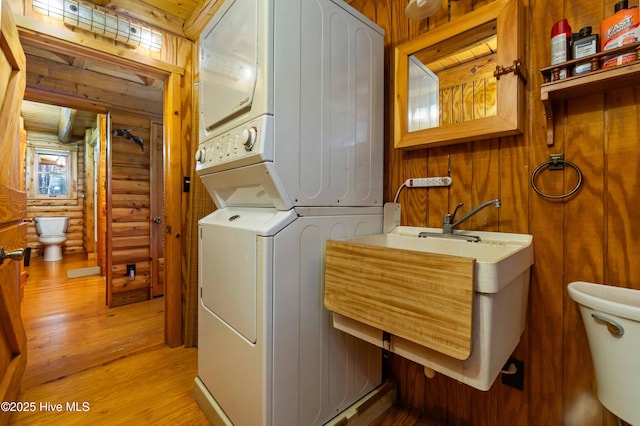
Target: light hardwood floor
[[114, 360]]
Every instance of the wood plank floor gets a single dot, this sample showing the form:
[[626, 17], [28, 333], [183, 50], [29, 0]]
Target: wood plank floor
[[115, 360]]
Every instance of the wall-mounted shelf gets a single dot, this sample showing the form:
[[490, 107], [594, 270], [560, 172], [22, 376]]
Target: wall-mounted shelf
[[597, 80]]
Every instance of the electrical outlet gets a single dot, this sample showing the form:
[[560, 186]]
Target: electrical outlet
[[513, 373], [131, 271], [427, 182]]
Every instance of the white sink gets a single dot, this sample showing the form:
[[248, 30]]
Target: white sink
[[501, 287], [500, 257]]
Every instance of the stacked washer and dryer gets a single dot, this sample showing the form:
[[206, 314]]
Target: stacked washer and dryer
[[291, 150]]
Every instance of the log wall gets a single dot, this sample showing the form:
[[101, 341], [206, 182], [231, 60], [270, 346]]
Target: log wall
[[72, 208], [130, 209]]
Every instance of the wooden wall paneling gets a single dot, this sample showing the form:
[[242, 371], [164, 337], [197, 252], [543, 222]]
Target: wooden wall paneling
[[109, 222], [368, 9], [584, 249], [393, 173], [187, 115], [437, 389], [415, 386], [391, 20], [101, 248], [513, 405], [487, 173], [621, 194], [557, 388], [546, 220], [173, 209], [157, 210], [89, 200], [414, 200], [198, 206], [514, 190], [584, 145], [486, 185], [463, 174]]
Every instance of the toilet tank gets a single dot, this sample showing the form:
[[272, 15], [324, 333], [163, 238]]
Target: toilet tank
[[51, 225]]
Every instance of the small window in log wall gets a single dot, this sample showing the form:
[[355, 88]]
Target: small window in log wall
[[52, 168], [51, 173]]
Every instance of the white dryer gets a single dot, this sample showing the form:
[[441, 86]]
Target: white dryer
[[291, 150]]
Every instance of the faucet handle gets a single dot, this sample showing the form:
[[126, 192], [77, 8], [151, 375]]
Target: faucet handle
[[452, 216], [446, 218]]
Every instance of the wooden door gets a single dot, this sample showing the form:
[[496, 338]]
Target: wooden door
[[157, 211], [129, 209], [13, 208]]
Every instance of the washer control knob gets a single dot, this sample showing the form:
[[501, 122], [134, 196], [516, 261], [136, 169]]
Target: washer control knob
[[249, 137], [200, 155]]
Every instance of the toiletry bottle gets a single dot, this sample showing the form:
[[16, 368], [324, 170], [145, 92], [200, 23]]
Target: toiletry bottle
[[618, 30], [560, 45], [586, 44]]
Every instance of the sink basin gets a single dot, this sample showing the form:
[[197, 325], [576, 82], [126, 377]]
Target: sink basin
[[367, 273], [500, 256]]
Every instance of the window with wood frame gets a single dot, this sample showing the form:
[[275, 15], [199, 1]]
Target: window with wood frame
[[51, 172]]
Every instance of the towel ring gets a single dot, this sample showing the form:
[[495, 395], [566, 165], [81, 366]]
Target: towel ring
[[556, 163]]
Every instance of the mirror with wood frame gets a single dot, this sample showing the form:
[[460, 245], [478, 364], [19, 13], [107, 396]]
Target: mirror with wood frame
[[446, 87]]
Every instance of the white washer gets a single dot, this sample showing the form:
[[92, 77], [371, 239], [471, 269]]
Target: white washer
[[291, 150], [269, 354]]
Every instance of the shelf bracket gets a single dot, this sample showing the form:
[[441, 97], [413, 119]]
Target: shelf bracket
[[548, 112]]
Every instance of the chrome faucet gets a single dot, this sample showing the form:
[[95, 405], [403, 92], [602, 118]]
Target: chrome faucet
[[448, 219]]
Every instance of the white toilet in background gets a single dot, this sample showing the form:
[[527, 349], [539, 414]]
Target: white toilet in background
[[51, 232], [611, 317]]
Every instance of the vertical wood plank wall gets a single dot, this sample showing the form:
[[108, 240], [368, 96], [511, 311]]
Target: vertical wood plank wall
[[589, 236]]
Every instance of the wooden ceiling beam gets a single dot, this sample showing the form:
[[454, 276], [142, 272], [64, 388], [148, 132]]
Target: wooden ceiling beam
[[31, 36], [166, 18], [65, 124], [37, 94], [71, 76], [199, 19]]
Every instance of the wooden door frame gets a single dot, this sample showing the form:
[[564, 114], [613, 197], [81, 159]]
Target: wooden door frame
[[172, 122], [157, 206]]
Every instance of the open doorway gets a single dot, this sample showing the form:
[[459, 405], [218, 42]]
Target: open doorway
[[62, 73], [125, 106], [60, 172], [108, 184]]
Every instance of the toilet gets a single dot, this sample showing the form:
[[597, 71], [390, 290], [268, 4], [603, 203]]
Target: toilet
[[51, 232], [611, 317]]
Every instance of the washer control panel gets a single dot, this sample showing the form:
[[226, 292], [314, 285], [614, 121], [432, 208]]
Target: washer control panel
[[238, 147]]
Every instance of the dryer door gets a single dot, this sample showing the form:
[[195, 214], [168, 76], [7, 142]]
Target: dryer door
[[228, 62], [230, 262], [228, 276]]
